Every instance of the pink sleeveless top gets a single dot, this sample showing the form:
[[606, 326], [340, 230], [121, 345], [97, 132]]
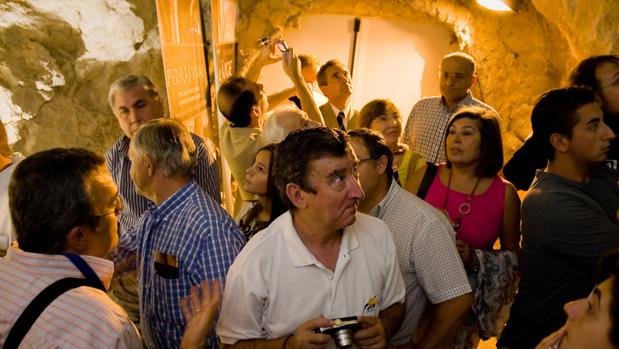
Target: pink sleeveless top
[[481, 227]]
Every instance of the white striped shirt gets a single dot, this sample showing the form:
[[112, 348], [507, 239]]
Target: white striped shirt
[[427, 123], [83, 317]]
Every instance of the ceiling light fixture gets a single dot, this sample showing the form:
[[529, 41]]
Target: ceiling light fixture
[[498, 5]]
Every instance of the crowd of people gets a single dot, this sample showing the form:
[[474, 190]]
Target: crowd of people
[[344, 221]]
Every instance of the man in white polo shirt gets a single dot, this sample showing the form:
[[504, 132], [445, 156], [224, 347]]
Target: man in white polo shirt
[[318, 262]]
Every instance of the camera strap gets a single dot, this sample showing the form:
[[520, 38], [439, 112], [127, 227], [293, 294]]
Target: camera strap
[[32, 312]]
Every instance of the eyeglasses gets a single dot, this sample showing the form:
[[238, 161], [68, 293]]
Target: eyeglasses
[[119, 206]]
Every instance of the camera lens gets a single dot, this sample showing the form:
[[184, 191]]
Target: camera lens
[[343, 338]]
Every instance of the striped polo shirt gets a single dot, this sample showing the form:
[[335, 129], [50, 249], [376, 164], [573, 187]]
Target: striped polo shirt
[[83, 317]]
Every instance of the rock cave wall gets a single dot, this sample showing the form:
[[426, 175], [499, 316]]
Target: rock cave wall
[[57, 61], [520, 55]]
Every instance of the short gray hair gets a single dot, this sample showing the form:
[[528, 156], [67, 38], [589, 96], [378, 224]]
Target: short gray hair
[[169, 144], [464, 57], [123, 84]]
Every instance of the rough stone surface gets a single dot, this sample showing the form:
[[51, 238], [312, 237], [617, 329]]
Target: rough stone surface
[[62, 86], [520, 55]]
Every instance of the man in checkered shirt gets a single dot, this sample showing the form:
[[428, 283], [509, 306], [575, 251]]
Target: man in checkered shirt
[[424, 241], [425, 128], [183, 238], [134, 100]]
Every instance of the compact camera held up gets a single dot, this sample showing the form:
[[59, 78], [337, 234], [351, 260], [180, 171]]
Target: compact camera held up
[[281, 44], [342, 331]]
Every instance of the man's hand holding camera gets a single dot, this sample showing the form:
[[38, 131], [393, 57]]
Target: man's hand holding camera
[[372, 333], [306, 336], [367, 332], [292, 66]]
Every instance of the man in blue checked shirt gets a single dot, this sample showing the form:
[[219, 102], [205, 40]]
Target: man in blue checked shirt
[[183, 238], [134, 101]]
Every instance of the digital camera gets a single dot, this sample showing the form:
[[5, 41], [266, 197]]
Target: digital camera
[[282, 46], [342, 331]]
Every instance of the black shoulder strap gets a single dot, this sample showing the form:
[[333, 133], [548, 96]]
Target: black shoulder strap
[[37, 306], [427, 179]]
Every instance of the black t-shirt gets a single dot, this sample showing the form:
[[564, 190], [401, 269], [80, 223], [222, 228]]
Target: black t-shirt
[[565, 229]]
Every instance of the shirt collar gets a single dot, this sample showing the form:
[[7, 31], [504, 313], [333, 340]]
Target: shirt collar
[[300, 255], [346, 110], [380, 210], [51, 264], [177, 199], [467, 100], [123, 146]]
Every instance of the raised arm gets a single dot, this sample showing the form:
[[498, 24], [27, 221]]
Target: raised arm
[[278, 98], [292, 67], [266, 56]]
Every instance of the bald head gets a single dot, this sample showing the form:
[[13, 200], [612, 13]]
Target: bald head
[[467, 62], [456, 76], [283, 121]]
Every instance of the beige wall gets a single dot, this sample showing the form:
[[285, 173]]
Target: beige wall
[[395, 59]]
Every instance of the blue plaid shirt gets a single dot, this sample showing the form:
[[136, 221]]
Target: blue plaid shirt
[[197, 241]]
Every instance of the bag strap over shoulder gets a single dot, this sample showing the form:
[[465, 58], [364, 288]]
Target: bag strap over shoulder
[[38, 305], [427, 179]]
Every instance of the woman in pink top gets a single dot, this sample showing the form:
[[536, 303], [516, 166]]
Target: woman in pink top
[[481, 205]]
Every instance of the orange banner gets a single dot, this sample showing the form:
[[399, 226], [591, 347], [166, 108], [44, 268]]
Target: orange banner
[[225, 16], [182, 46]]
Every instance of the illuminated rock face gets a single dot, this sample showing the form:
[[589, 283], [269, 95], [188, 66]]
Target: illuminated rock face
[[520, 55], [57, 60]]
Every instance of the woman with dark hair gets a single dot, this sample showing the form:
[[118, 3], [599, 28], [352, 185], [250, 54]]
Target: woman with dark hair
[[482, 207], [259, 181], [383, 116]]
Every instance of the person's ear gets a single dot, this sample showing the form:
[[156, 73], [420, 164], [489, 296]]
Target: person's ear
[[149, 162], [256, 118], [296, 195], [473, 79], [381, 164], [75, 239], [255, 111], [559, 142], [323, 89], [159, 109]]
